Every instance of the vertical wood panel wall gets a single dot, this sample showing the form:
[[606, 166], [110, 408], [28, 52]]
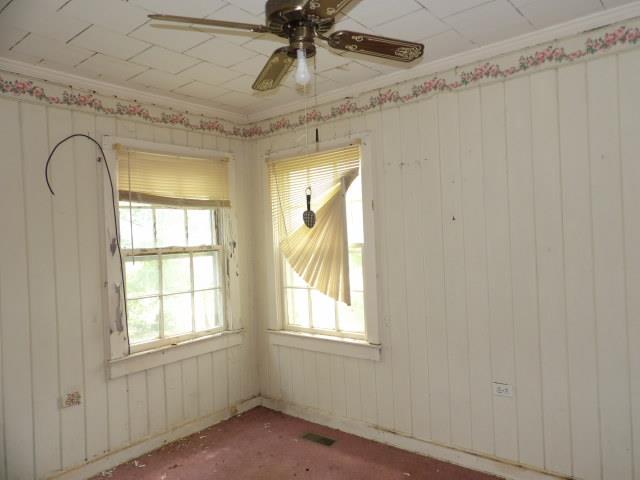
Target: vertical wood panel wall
[[52, 332], [508, 239]]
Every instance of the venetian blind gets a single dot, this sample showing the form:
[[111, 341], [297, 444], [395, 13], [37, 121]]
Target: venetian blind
[[150, 177], [319, 255]]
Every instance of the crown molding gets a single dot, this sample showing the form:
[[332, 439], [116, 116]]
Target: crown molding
[[108, 89], [545, 35]]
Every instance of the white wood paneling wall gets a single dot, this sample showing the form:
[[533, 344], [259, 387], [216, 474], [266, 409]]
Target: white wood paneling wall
[[52, 333], [508, 233]]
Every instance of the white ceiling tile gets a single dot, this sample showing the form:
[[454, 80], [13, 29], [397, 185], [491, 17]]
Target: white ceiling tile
[[616, 3], [9, 36], [186, 8], [175, 37], [490, 22], [209, 74], [413, 27], [346, 23], [381, 65], [375, 12], [158, 79], [201, 90], [444, 8], [41, 18], [266, 44], [165, 60], [256, 7], [51, 50], [237, 99], [231, 13], [445, 44], [110, 43], [241, 84], [109, 68], [326, 59], [543, 13], [20, 57], [252, 67], [350, 73], [221, 53], [114, 15]]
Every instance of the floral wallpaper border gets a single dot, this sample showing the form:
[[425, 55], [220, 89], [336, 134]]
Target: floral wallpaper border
[[607, 39]]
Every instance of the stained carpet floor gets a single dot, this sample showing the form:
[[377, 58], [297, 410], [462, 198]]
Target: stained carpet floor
[[268, 445]]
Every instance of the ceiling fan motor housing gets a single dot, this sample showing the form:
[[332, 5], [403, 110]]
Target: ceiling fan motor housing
[[289, 19]]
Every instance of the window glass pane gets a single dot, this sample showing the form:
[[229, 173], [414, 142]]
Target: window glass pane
[[292, 279], [351, 318], [143, 319], [125, 228], [170, 227], [143, 276], [200, 232], [323, 311], [141, 220], [355, 229], [355, 269], [206, 270], [177, 314], [176, 273], [298, 306], [208, 309]]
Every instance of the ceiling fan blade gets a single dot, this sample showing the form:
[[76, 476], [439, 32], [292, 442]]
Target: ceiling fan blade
[[376, 46], [326, 8], [274, 71], [210, 22]]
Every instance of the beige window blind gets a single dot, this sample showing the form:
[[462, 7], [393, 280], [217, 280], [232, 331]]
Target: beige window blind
[[150, 177], [319, 255]]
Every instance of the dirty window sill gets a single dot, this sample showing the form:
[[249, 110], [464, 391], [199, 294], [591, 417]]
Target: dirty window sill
[[141, 361], [344, 347]]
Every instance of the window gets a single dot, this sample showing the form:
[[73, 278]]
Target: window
[[321, 271], [173, 211], [174, 273]]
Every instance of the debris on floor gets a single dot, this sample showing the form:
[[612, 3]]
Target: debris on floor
[[266, 445]]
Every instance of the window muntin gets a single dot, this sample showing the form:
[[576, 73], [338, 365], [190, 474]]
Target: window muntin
[[306, 309], [174, 272]]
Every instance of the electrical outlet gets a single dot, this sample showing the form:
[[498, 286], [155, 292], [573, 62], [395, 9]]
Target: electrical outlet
[[502, 389], [70, 399]]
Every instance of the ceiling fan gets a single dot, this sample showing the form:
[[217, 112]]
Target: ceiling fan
[[301, 22]]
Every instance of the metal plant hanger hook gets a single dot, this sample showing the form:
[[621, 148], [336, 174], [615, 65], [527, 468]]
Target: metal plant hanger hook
[[309, 216]]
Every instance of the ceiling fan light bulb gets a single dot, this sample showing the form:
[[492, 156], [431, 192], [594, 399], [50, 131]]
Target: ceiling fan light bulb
[[303, 74]]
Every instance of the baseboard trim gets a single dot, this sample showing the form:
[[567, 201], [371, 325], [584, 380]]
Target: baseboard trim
[[135, 450], [462, 458], [362, 429]]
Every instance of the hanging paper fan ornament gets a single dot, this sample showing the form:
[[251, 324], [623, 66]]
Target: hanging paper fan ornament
[[309, 216]]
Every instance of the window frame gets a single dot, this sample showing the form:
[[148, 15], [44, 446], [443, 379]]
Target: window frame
[[216, 219], [118, 348], [280, 324]]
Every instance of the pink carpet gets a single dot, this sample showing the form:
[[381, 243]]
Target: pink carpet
[[263, 444]]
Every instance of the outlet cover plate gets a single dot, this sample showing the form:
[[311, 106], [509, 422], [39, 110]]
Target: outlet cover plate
[[502, 389]]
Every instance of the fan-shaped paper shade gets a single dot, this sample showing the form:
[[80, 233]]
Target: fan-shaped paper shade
[[319, 255]]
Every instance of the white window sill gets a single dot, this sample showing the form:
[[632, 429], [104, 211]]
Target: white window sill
[[345, 347], [138, 362]]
